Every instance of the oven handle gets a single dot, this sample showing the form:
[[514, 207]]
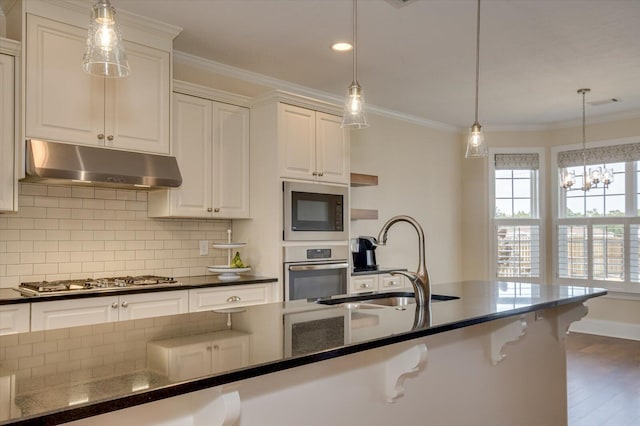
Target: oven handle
[[318, 267]]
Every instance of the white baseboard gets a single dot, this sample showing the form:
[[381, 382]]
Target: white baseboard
[[620, 330]]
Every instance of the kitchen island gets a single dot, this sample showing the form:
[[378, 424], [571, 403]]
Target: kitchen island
[[492, 355]]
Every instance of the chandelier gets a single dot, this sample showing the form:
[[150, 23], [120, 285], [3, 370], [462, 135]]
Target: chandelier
[[596, 175]]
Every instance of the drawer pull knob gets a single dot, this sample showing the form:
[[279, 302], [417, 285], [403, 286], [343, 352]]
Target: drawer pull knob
[[100, 136], [209, 348], [114, 305], [125, 304], [217, 210], [209, 209], [233, 299], [321, 174], [363, 285], [110, 137]]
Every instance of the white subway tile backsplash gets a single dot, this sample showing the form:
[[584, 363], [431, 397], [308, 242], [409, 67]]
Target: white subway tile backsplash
[[63, 232]]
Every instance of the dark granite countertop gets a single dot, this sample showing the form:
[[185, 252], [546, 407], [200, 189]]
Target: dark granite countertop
[[10, 296], [270, 328]]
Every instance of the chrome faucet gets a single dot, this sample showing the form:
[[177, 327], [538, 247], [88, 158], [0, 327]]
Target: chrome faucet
[[420, 278]]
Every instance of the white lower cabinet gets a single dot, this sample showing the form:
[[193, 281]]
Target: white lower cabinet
[[209, 298], [14, 318], [184, 358], [376, 282], [98, 310]]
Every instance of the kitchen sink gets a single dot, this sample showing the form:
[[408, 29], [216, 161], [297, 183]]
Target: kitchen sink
[[397, 300]]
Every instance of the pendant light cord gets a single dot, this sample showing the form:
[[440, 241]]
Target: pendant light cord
[[584, 135], [355, 36], [477, 59]]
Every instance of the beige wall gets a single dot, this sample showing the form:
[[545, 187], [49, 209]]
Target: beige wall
[[418, 173], [475, 218]]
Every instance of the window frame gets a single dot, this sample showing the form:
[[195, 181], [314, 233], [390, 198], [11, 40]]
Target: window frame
[[537, 204], [631, 205]]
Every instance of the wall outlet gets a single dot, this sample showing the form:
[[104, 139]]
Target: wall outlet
[[204, 247]]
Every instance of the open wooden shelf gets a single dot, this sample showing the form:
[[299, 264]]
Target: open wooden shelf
[[359, 179], [357, 214]]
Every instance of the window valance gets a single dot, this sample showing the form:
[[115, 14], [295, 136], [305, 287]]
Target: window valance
[[600, 155], [528, 161]]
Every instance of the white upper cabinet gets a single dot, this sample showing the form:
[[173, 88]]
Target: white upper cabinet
[[63, 103], [211, 144], [312, 146], [7, 134]]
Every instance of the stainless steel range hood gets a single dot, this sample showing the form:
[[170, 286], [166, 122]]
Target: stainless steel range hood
[[53, 162]]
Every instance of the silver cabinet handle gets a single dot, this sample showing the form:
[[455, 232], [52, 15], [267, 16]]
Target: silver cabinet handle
[[315, 173], [318, 267], [110, 137], [209, 348], [114, 305], [217, 210], [100, 136], [233, 299], [321, 174], [125, 304], [209, 209], [216, 347], [364, 285], [391, 283]]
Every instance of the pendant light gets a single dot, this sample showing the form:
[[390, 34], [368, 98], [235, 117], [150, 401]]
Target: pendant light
[[596, 175], [354, 115], [475, 142], [105, 55]]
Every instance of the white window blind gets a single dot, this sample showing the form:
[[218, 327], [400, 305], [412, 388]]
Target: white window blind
[[573, 246]]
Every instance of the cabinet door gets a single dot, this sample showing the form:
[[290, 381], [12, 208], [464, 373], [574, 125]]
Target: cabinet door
[[296, 141], [230, 163], [363, 283], [73, 312], [230, 354], [189, 361], [137, 107], [157, 304], [62, 102], [332, 149], [192, 148], [14, 318], [7, 127]]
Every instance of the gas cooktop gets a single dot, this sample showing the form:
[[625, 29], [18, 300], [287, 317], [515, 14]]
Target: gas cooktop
[[39, 288]]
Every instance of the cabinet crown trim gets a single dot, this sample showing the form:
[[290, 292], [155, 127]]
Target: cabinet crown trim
[[205, 92]]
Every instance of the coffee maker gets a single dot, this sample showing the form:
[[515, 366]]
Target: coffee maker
[[363, 250]]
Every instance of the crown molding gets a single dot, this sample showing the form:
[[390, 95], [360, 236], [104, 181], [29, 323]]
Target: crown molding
[[10, 47], [298, 93]]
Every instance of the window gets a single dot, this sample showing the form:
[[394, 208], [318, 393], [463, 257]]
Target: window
[[516, 223], [598, 231]]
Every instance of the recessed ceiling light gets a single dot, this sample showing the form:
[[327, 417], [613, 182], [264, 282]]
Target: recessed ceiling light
[[341, 46]]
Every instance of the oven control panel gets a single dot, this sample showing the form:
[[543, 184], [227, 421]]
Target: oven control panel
[[319, 253]]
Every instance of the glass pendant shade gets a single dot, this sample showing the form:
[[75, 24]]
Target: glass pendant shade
[[354, 115], [105, 55], [475, 142], [567, 178]]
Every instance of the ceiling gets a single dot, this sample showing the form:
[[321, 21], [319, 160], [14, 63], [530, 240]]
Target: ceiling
[[419, 59]]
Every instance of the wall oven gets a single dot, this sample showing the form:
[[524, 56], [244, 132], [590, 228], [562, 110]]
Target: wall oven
[[315, 212], [312, 272]]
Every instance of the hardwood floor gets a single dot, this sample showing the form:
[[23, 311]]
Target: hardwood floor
[[603, 380]]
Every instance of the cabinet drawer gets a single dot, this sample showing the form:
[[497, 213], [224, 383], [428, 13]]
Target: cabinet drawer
[[364, 283], [391, 282], [14, 318], [228, 297], [73, 312]]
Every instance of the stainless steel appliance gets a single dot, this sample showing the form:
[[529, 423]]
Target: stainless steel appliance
[[315, 212], [53, 162], [363, 250], [90, 285], [312, 272]]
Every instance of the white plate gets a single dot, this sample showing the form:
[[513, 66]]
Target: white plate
[[228, 245], [227, 273]]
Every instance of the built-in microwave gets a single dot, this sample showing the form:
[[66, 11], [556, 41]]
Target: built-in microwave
[[315, 212]]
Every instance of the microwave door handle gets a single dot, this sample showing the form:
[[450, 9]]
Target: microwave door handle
[[318, 267]]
